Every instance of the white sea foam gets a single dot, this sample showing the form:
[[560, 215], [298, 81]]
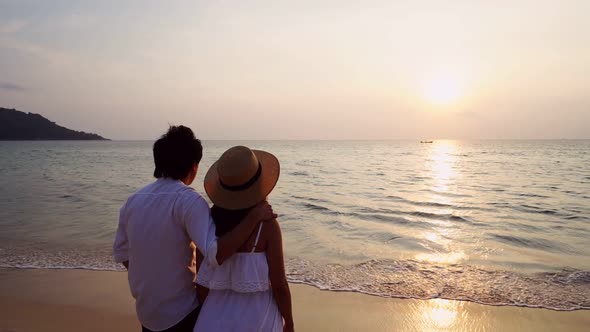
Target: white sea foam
[[562, 290]]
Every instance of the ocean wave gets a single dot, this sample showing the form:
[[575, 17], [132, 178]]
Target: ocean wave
[[531, 195], [386, 219], [435, 204], [420, 214], [432, 204], [532, 242], [37, 258], [387, 215], [444, 216], [576, 217], [308, 162], [317, 207], [299, 173], [447, 194], [560, 290], [312, 199], [563, 290], [535, 209]]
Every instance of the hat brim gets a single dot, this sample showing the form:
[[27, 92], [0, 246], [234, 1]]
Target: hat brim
[[236, 200]]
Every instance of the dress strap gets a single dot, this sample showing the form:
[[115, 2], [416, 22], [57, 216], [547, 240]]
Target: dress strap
[[257, 237]]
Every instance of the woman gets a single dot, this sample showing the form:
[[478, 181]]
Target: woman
[[249, 292]]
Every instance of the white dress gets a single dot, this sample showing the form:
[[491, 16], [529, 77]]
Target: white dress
[[240, 297]]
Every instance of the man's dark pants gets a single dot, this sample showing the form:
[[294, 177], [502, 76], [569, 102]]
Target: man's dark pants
[[187, 324]]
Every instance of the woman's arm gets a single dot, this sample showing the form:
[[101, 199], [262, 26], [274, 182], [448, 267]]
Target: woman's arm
[[278, 278]]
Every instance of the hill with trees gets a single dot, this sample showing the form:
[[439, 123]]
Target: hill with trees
[[16, 126]]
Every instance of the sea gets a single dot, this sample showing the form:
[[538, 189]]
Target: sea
[[492, 222]]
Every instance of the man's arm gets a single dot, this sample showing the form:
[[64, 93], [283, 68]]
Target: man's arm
[[121, 245], [201, 229], [229, 243]]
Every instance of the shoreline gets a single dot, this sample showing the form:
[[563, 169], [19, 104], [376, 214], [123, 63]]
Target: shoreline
[[83, 300]]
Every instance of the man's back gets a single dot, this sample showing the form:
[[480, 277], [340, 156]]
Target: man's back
[[156, 226]]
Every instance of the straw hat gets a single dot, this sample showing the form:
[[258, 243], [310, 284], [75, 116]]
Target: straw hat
[[241, 178]]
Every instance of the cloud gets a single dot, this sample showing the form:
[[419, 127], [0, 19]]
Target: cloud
[[11, 87], [9, 39], [77, 21], [12, 26], [51, 56]]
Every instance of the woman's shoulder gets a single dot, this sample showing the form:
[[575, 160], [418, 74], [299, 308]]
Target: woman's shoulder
[[272, 231], [271, 227]]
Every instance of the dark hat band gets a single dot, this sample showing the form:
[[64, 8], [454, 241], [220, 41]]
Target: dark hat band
[[247, 184]]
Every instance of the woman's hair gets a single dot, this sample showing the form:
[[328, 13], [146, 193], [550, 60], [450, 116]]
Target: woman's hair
[[225, 220]]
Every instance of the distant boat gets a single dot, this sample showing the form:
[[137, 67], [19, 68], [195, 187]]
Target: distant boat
[[426, 141]]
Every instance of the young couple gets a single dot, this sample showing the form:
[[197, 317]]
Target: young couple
[[241, 282]]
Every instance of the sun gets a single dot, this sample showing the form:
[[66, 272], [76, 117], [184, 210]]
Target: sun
[[442, 91]]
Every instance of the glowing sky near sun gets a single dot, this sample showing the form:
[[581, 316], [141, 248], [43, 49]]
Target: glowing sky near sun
[[301, 69]]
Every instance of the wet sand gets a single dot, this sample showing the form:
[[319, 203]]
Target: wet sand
[[77, 300]]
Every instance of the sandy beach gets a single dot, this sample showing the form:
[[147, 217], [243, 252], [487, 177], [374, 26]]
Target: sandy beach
[[78, 300]]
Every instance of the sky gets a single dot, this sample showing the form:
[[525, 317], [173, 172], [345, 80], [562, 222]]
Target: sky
[[301, 69]]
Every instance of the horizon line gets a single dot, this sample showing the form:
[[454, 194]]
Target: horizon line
[[365, 139]]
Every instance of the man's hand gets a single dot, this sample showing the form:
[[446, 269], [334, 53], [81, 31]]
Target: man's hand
[[288, 327], [262, 212]]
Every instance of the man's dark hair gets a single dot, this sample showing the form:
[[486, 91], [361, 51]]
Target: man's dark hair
[[176, 152]]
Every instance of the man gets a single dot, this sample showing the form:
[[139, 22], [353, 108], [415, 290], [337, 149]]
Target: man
[[156, 227]]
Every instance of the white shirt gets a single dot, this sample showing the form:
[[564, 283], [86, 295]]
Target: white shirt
[[156, 226]]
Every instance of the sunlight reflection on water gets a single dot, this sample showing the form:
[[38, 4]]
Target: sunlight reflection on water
[[438, 313], [441, 164]]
